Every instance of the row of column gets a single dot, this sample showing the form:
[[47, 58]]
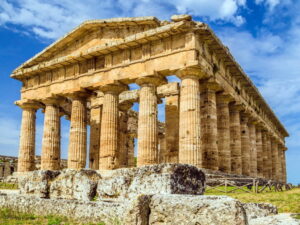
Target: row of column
[[213, 132]]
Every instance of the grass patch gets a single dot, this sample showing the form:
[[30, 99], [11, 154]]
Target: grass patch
[[286, 201], [8, 186], [9, 217]]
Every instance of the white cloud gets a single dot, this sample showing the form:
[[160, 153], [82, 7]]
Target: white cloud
[[51, 19]]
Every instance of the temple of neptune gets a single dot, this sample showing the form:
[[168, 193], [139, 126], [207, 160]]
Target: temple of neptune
[[215, 118]]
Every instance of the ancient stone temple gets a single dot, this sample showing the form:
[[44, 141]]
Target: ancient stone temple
[[215, 117]]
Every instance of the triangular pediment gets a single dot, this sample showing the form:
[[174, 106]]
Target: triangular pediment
[[93, 33]]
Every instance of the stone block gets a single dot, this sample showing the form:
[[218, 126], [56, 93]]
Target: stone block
[[255, 210], [73, 184], [37, 182], [155, 179], [188, 209]]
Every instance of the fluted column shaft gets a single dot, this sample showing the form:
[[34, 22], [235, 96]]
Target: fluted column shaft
[[50, 159], [259, 148], [147, 126], [265, 154], [253, 150], [274, 159], [27, 139], [280, 169], [223, 133], [235, 140], [284, 178], [109, 128], [78, 132], [190, 122], [95, 123], [269, 157], [172, 129], [209, 129], [245, 143]]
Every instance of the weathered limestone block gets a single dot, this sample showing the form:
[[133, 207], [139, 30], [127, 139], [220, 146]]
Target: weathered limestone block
[[72, 184], [155, 179], [37, 182], [188, 209], [82, 211], [255, 210], [280, 219]]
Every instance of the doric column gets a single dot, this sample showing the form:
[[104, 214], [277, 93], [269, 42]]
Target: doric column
[[253, 149], [172, 128], [265, 154], [95, 125], [245, 143], [109, 127], [147, 124], [27, 137], [123, 134], [259, 149], [189, 119], [78, 132], [269, 156], [274, 158], [130, 156], [284, 178], [209, 126], [50, 159], [280, 169], [235, 139], [224, 132]]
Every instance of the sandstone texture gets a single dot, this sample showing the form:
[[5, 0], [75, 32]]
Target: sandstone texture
[[280, 219], [256, 210], [156, 179], [72, 184], [37, 182]]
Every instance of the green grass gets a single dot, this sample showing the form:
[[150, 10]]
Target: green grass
[[286, 201], [8, 186], [9, 217]]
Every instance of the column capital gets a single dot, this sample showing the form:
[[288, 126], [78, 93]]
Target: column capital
[[151, 80], [190, 72], [115, 88], [55, 100], [224, 97], [236, 106], [28, 104], [209, 85], [78, 95]]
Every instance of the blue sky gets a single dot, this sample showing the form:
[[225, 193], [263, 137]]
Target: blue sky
[[263, 35]]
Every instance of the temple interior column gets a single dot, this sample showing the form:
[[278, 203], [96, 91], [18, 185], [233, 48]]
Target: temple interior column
[[171, 128], [259, 148], [147, 121], [253, 149], [190, 121], [50, 159], [27, 136], [123, 134], [274, 158], [109, 143], [130, 156], [162, 148], [235, 139], [209, 126], [245, 143], [224, 132], [78, 133], [95, 130]]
